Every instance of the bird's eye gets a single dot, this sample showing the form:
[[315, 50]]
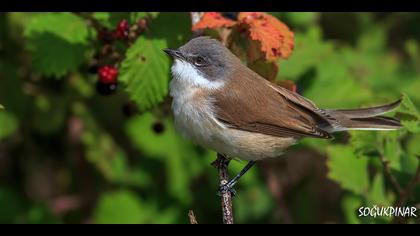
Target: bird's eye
[[199, 61]]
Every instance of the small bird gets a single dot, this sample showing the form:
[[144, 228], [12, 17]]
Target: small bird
[[221, 104]]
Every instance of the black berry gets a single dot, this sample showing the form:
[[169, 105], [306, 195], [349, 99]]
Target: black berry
[[106, 88], [158, 127]]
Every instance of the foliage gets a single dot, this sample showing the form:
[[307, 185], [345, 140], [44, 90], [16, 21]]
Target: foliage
[[70, 155]]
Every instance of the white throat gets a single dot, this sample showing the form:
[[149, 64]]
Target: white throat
[[184, 73]]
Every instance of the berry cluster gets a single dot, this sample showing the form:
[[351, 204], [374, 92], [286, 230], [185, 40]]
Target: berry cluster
[[121, 32], [107, 80]]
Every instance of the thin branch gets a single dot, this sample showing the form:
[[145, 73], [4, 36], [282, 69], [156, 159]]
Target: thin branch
[[192, 218], [226, 196], [389, 175]]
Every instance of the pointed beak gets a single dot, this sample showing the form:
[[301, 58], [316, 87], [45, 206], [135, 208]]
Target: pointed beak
[[174, 53]]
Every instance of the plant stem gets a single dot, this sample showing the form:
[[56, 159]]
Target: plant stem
[[192, 218], [226, 197]]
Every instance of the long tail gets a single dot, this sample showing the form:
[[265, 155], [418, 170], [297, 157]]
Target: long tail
[[365, 118]]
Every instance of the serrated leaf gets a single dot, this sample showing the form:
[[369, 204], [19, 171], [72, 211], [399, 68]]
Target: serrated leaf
[[57, 42], [409, 115], [212, 20], [145, 70], [275, 38], [391, 149], [364, 143], [347, 169], [8, 124]]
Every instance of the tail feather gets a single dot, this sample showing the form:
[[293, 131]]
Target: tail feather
[[372, 123], [364, 119], [371, 111]]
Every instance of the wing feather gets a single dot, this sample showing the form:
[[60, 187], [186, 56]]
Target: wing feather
[[250, 103]]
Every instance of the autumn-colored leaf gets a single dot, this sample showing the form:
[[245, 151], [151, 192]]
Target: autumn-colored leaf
[[212, 20], [274, 36]]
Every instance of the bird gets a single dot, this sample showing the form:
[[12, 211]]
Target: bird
[[221, 104]]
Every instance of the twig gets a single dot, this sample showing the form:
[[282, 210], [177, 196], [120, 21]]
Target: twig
[[192, 218], [390, 176], [226, 197]]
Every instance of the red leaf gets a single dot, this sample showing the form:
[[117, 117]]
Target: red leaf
[[211, 20], [274, 36]]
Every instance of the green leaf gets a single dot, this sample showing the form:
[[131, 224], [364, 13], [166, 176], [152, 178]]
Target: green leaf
[[145, 70], [57, 42], [347, 169], [125, 207], [409, 115], [309, 51], [104, 153], [377, 193], [334, 80], [364, 143], [350, 205], [121, 207], [8, 125], [1, 107], [182, 159], [391, 149]]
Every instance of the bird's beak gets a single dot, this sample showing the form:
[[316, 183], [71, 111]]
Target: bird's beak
[[174, 53]]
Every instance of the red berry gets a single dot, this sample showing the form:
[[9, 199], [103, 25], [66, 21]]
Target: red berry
[[107, 74], [122, 30]]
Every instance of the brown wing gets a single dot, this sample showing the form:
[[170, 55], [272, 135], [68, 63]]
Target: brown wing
[[251, 103]]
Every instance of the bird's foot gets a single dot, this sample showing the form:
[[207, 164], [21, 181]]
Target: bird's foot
[[226, 188]]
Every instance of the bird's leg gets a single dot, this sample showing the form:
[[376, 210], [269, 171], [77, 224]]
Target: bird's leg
[[231, 183]]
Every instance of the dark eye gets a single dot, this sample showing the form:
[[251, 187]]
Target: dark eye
[[198, 61]]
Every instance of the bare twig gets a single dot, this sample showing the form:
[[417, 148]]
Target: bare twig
[[192, 218], [390, 176], [226, 196]]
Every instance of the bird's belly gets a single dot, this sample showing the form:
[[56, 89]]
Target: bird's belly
[[203, 130]]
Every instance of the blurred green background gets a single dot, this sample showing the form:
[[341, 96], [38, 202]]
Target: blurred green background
[[70, 155]]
